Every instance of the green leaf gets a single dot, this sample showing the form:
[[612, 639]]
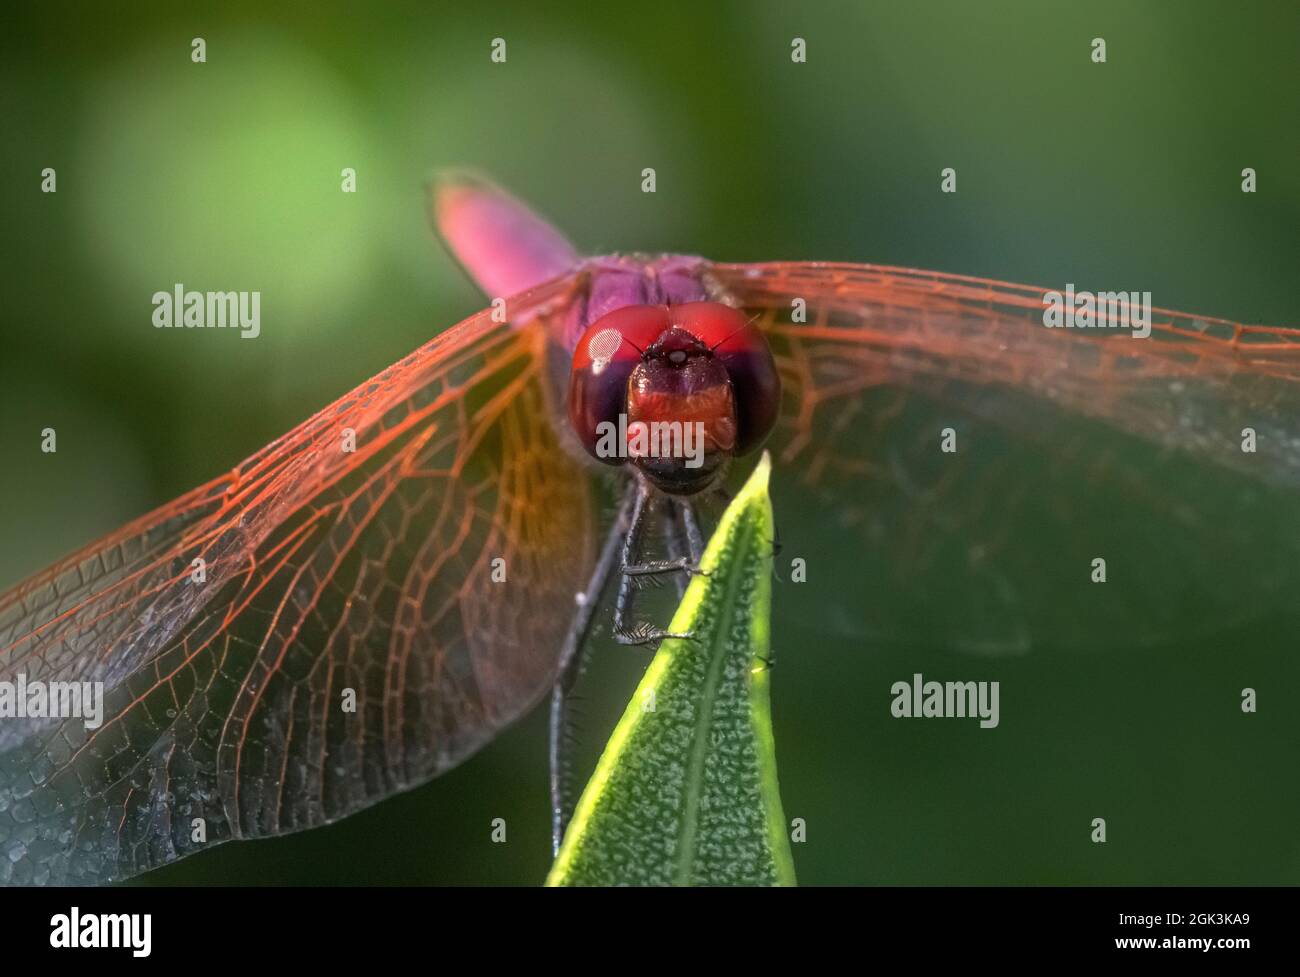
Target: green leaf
[[686, 792]]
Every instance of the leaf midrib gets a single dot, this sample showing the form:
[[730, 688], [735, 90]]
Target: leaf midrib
[[699, 751]]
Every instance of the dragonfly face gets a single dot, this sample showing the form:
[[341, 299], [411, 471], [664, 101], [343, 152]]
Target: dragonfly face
[[675, 390], [324, 625]]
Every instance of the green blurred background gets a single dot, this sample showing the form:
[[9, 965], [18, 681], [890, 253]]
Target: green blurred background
[[226, 174]]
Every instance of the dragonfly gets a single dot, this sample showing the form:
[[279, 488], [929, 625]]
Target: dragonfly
[[437, 544]]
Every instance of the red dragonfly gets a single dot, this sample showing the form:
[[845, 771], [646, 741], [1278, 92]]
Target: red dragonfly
[[363, 551]]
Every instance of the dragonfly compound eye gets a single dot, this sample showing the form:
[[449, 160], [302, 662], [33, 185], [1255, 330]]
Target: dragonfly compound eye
[[603, 361], [741, 348]]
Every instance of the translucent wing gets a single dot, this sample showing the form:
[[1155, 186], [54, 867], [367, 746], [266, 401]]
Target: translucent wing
[[379, 592], [1067, 446]]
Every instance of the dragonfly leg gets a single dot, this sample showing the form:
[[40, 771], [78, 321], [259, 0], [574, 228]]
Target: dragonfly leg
[[681, 541], [639, 634], [570, 668], [681, 532], [654, 568], [776, 551], [691, 524], [683, 551], [674, 543]]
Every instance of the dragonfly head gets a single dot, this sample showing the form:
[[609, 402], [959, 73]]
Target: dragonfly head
[[674, 390]]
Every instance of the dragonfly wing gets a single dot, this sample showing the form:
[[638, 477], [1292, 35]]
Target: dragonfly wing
[[381, 590], [977, 463]]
